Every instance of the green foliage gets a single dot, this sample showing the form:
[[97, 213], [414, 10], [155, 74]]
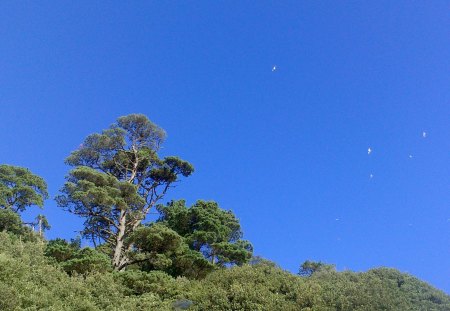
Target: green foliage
[[10, 221], [87, 260], [191, 264], [157, 247], [214, 232], [30, 281], [19, 188], [236, 253], [258, 287], [76, 260], [61, 250], [265, 287], [158, 282]]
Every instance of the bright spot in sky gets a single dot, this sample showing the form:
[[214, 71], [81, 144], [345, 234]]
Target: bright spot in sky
[[371, 175], [424, 134], [369, 151], [274, 68], [410, 156]]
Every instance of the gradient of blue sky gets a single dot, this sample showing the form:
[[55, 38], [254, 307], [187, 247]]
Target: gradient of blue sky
[[285, 150]]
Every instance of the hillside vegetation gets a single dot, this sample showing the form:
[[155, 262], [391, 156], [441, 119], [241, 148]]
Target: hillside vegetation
[[190, 258], [29, 280]]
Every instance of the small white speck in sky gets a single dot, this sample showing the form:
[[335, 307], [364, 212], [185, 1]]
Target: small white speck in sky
[[371, 176], [369, 151], [410, 156], [424, 134], [274, 68], [337, 219]]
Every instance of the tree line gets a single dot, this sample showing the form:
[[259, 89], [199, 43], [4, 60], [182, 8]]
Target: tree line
[[191, 257]]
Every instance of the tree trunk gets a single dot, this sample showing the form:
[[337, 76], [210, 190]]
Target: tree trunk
[[118, 257], [40, 226]]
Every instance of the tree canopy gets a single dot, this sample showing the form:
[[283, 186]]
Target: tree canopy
[[214, 232]]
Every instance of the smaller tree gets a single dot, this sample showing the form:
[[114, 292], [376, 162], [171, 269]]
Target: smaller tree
[[19, 188], [214, 232], [42, 224], [308, 268]]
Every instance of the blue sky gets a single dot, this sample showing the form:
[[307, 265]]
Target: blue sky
[[286, 150]]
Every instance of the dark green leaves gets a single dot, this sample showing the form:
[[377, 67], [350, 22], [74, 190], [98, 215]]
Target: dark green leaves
[[157, 247], [214, 232], [74, 259], [168, 170], [98, 148], [178, 166], [10, 221], [93, 188], [156, 238], [239, 252]]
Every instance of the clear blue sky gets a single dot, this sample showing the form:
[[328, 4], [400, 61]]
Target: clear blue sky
[[286, 150]]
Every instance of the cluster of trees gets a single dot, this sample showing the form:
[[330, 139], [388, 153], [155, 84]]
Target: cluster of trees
[[191, 257], [116, 180]]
